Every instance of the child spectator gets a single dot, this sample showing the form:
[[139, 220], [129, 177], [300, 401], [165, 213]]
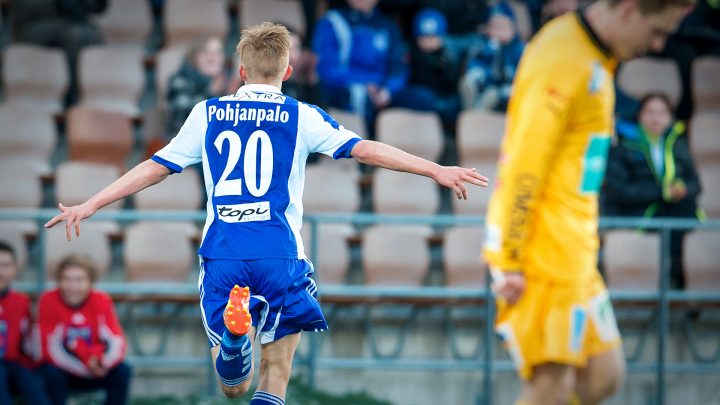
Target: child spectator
[[487, 83], [82, 341], [200, 77], [651, 173], [16, 376], [436, 60]]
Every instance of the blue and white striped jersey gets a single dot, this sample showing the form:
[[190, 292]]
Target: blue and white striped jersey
[[253, 146]]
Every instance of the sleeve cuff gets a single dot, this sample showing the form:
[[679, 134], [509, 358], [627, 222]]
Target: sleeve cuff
[[170, 165], [345, 150]]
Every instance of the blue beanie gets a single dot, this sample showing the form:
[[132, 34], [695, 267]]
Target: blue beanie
[[504, 10], [429, 21]]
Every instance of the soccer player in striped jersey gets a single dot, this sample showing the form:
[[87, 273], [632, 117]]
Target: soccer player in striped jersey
[[253, 146], [542, 243]]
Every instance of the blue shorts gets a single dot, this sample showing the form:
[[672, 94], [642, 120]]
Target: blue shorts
[[283, 297]]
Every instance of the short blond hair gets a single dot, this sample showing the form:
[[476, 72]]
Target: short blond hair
[[265, 50], [82, 261]]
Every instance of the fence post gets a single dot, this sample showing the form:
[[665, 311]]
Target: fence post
[[312, 350], [489, 341], [663, 313]]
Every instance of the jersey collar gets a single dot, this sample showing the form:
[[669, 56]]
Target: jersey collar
[[259, 88], [592, 34]]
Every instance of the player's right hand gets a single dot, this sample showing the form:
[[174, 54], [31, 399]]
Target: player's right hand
[[511, 287], [455, 178], [73, 215]]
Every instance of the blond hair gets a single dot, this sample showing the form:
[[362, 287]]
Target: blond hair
[[265, 50]]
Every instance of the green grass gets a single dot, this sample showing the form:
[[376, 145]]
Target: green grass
[[298, 394]]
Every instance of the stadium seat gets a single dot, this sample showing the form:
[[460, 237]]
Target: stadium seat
[[111, 79], [93, 241], [187, 20], [709, 200], [705, 84], [99, 136], [35, 78], [416, 132], [179, 191], [16, 233], [287, 12], [705, 137], [20, 183], [27, 135], [402, 193], [522, 19], [702, 260], [396, 255], [158, 251], [332, 259], [480, 134], [324, 180], [349, 120], [641, 76], [632, 259], [75, 182], [461, 257], [168, 62], [478, 197], [126, 23]]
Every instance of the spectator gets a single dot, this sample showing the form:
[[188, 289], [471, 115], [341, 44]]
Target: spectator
[[83, 344], [436, 59], [303, 84], [62, 24], [556, 8], [487, 83], [16, 375], [464, 16], [200, 77], [361, 62], [651, 173], [698, 35]]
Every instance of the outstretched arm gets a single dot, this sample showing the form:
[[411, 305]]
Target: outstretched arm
[[382, 155], [141, 176]]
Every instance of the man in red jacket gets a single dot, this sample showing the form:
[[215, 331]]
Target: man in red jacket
[[16, 376], [82, 341]]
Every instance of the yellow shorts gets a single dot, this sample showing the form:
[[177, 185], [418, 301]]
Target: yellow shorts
[[555, 322]]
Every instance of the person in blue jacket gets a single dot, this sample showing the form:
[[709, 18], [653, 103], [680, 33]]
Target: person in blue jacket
[[362, 61]]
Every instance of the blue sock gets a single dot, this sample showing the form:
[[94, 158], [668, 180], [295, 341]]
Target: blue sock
[[234, 360], [265, 398]]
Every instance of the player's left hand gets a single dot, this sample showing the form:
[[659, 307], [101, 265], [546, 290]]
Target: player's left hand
[[73, 215], [454, 178]]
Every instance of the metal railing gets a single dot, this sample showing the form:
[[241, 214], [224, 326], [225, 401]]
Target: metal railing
[[662, 298]]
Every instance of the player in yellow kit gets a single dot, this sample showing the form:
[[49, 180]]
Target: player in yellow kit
[[553, 308]]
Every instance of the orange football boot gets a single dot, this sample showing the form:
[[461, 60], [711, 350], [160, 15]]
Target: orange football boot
[[237, 312]]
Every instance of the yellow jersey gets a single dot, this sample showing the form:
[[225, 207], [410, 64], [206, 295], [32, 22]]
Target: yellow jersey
[[543, 214]]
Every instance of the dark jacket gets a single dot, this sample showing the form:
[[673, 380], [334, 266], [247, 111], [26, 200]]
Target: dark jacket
[[186, 88], [441, 70], [633, 187]]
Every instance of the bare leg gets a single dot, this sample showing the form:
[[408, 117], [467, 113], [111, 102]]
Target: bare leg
[[276, 364], [602, 377], [551, 384]]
